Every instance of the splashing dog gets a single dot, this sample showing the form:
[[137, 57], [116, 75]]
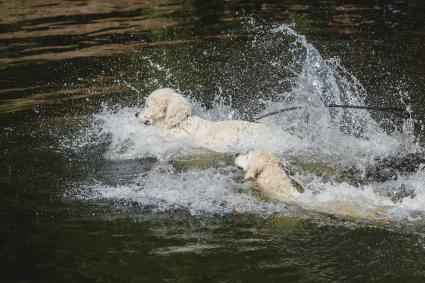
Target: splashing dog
[[267, 171], [171, 112]]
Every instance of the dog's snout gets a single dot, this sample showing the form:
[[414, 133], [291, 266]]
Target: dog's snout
[[146, 122], [237, 154], [137, 115]]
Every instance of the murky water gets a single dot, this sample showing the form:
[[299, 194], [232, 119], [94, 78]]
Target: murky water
[[89, 194]]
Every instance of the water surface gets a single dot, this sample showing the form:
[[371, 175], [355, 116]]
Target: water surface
[[88, 194]]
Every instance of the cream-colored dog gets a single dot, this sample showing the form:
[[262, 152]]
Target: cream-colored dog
[[267, 171], [171, 112]]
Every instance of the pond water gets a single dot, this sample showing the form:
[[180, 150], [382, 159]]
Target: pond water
[[88, 194]]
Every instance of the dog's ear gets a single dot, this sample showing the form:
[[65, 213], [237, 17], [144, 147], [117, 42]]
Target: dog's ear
[[176, 112], [253, 170]]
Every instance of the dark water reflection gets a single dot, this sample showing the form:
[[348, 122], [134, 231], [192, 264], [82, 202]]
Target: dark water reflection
[[60, 60]]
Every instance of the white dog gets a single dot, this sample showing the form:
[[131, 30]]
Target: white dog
[[171, 112], [267, 171]]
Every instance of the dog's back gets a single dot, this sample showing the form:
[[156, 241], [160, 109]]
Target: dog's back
[[222, 136]]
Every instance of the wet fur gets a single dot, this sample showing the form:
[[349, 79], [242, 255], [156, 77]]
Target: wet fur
[[172, 113], [266, 170]]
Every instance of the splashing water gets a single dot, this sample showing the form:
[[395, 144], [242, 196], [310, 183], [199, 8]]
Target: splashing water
[[349, 135], [164, 189], [327, 140]]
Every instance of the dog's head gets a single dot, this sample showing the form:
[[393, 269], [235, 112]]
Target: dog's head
[[255, 162], [164, 107]]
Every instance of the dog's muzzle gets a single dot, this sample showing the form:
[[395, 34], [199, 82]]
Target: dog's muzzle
[[145, 121]]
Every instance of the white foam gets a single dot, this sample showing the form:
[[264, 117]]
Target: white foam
[[371, 201], [211, 191], [410, 207], [345, 200]]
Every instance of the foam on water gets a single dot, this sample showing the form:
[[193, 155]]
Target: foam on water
[[212, 191], [345, 137], [216, 191], [371, 201]]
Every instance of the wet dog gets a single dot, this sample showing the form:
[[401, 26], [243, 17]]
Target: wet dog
[[171, 113], [264, 168]]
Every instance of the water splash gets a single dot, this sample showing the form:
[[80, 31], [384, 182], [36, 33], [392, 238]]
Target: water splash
[[315, 139], [212, 191], [349, 135]]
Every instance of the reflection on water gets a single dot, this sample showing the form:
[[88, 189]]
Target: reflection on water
[[73, 72], [51, 30]]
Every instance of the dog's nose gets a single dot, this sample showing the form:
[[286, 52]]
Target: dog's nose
[[237, 154], [137, 114], [146, 122]]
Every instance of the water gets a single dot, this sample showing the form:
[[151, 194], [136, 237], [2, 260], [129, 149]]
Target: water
[[96, 196]]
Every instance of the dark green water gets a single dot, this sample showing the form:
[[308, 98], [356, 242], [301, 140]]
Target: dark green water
[[60, 61]]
